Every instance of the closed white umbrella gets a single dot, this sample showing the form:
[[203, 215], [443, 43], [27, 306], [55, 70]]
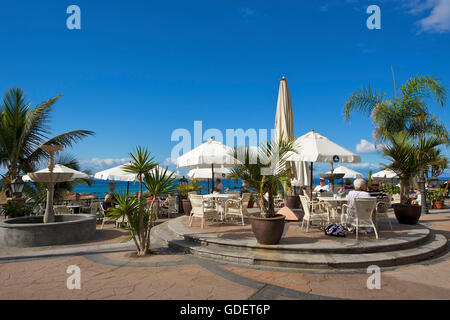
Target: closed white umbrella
[[59, 168], [207, 155], [349, 173], [284, 130]]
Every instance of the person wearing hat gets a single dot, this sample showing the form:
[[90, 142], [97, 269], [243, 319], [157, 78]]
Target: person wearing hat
[[322, 187]]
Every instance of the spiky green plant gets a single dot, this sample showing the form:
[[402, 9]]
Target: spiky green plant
[[265, 170]]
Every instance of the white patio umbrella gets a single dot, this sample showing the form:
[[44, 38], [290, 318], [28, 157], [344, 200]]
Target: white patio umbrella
[[59, 168], [207, 155], [349, 173], [314, 147], [386, 174], [118, 173], [205, 173]]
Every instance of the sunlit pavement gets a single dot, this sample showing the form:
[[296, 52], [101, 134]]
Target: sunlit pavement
[[110, 270]]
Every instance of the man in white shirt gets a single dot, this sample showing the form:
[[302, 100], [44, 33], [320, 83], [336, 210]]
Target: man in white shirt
[[322, 187], [359, 192]]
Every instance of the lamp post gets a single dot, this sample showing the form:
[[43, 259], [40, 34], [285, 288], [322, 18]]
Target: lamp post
[[182, 181], [17, 187]]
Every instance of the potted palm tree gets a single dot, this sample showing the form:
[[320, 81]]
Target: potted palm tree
[[411, 132], [265, 170], [437, 198]]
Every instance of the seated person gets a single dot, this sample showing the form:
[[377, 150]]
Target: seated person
[[218, 187], [375, 191], [165, 203], [151, 197], [418, 198], [322, 187], [359, 192], [244, 187], [347, 186], [108, 202]]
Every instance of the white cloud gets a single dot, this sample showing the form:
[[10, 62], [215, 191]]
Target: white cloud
[[363, 165], [367, 147], [97, 164], [438, 14], [170, 162]]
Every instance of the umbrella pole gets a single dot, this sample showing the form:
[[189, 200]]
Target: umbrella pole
[[212, 177], [208, 186], [311, 184]]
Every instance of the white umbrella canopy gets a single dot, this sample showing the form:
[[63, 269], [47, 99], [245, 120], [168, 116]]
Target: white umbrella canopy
[[59, 168], [314, 147], [205, 173], [118, 173], [385, 174], [284, 119], [210, 153], [349, 173], [207, 155]]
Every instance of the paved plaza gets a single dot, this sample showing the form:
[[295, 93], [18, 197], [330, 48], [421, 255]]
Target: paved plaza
[[110, 270]]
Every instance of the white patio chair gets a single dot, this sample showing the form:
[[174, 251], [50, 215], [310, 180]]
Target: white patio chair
[[312, 216], [362, 215], [199, 210], [314, 203], [237, 207]]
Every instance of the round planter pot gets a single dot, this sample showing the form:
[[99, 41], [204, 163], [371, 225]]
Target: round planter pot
[[438, 204], [267, 230], [407, 214], [187, 207], [250, 204], [293, 202]]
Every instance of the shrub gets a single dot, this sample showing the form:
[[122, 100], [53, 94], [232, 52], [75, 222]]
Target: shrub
[[15, 209]]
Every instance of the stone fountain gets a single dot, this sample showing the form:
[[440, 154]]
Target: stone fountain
[[33, 231]]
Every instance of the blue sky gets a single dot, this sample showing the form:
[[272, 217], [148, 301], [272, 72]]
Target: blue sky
[[137, 70]]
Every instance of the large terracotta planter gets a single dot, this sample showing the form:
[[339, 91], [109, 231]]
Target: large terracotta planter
[[406, 213], [187, 207], [438, 204], [250, 204], [293, 202], [267, 230]]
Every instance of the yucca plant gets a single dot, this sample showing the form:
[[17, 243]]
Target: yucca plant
[[141, 162]]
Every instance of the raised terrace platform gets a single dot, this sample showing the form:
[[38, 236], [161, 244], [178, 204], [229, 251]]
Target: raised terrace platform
[[234, 243]]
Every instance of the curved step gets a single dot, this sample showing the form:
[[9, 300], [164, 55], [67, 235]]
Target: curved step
[[415, 236], [434, 245]]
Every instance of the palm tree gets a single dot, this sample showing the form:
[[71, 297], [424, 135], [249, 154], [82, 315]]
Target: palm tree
[[404, 112], [141, 163], [265, 170], [23, 129], [410, 158]]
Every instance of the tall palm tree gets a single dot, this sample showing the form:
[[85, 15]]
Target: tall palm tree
[[265, 170], [406, 111], [141, 163], [23, 129]]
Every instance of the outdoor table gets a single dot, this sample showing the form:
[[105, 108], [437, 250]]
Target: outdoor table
[[334, 203], [220, 199]]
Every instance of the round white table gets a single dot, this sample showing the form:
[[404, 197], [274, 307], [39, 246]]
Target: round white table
[[334, 203], [219, 200]]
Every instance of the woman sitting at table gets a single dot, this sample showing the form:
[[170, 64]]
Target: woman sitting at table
[[347, 186], [218, 187]]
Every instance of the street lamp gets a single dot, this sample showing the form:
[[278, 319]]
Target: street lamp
[[17, 186], [182, 181]]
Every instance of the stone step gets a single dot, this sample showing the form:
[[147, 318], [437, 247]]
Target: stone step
[[434, 245], [416, 236]]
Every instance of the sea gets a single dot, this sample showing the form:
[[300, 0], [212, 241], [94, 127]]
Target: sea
[[100, 187]]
